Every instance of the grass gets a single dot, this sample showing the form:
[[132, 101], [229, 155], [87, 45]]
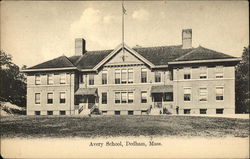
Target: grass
[[107, 126]]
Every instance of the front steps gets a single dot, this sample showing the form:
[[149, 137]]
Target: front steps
[[156, 111]]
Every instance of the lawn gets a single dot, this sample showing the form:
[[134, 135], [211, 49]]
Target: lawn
[[107, 126]]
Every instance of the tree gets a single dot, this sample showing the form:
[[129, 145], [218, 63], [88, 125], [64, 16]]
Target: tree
[[242, 83], [12, 82]]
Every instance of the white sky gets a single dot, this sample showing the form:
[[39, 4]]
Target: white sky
[[33, 32]]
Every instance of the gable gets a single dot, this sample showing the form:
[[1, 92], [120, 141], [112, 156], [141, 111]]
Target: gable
[[117, 50], [123, 57]]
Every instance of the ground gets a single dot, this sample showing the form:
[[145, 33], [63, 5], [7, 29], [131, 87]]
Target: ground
[[107, 126]]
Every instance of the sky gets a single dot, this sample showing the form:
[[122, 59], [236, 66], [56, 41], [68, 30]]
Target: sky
[[34, 32]]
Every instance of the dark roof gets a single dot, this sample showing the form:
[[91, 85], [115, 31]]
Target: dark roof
[[160, 55], [59, 62], [91, 58], [202, 53]]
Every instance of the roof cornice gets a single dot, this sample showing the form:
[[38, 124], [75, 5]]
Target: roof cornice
[[49, 69], [206, 61], [160, 66]]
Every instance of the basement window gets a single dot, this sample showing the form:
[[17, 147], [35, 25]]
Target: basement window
[[62, 112], [117, 112], [130, 112], [219, 111], [37, 112], [203, 111], [49, 112], [187, 111], [104, 112]]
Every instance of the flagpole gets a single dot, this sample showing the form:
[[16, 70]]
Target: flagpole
[[122, 26]]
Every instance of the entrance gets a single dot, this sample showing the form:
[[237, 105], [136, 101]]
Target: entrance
[[91, 101], [157, 99]]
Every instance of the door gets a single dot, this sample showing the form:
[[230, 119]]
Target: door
[[158, 97], [91, 101]]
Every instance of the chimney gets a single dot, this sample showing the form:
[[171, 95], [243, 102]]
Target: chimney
[[186, 38], [80, 46]]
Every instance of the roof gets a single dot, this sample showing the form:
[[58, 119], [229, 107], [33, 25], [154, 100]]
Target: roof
[[202, 53], [91, 58], [59, 62], [86, 91], [162, 89], [160, 55]]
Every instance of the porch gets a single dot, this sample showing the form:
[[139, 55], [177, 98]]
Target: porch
[[162, 98], [86, 101]]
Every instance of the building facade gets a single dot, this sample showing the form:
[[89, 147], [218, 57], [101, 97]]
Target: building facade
[[134, 81]]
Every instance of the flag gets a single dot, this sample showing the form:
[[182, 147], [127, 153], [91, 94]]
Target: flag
[[123, 9]]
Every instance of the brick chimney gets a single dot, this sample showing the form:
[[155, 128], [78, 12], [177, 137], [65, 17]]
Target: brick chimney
[[186, 38], [80, 46]]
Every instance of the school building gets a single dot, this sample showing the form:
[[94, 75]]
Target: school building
[[134, 81]]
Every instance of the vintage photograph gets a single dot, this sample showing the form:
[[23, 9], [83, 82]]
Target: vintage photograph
[[124, 79]]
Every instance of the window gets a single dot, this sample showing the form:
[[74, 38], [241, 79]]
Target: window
[[49, 112], [124, 97], [157, 77], [130, 112], [168, 96], [203, 72], [62, 112], [62, 97], [91, 80], [50, 79], [81, 78], [203, 111], [104, 112], [219, 72], [203, 94], [187, 94], [37, 112], [63, 78], [50, 98], [117, 76], [187, 111], [104, 77], [219, 93], [124, 76], [130, 75], [117, 112], [37, 98], [219, 111], [37, 79], [144, 112], [104, 98], [143, 75], [117, 97], [187, 73], [130, 97], [143, 97]]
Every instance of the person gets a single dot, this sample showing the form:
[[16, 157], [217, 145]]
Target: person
[[177, 110]]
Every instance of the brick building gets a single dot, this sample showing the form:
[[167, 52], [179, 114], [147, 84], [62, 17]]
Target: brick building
[[134, 81]]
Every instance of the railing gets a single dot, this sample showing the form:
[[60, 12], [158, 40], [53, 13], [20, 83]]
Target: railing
[[158, 105], [149, 109], [80, 110], [93, 108]]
